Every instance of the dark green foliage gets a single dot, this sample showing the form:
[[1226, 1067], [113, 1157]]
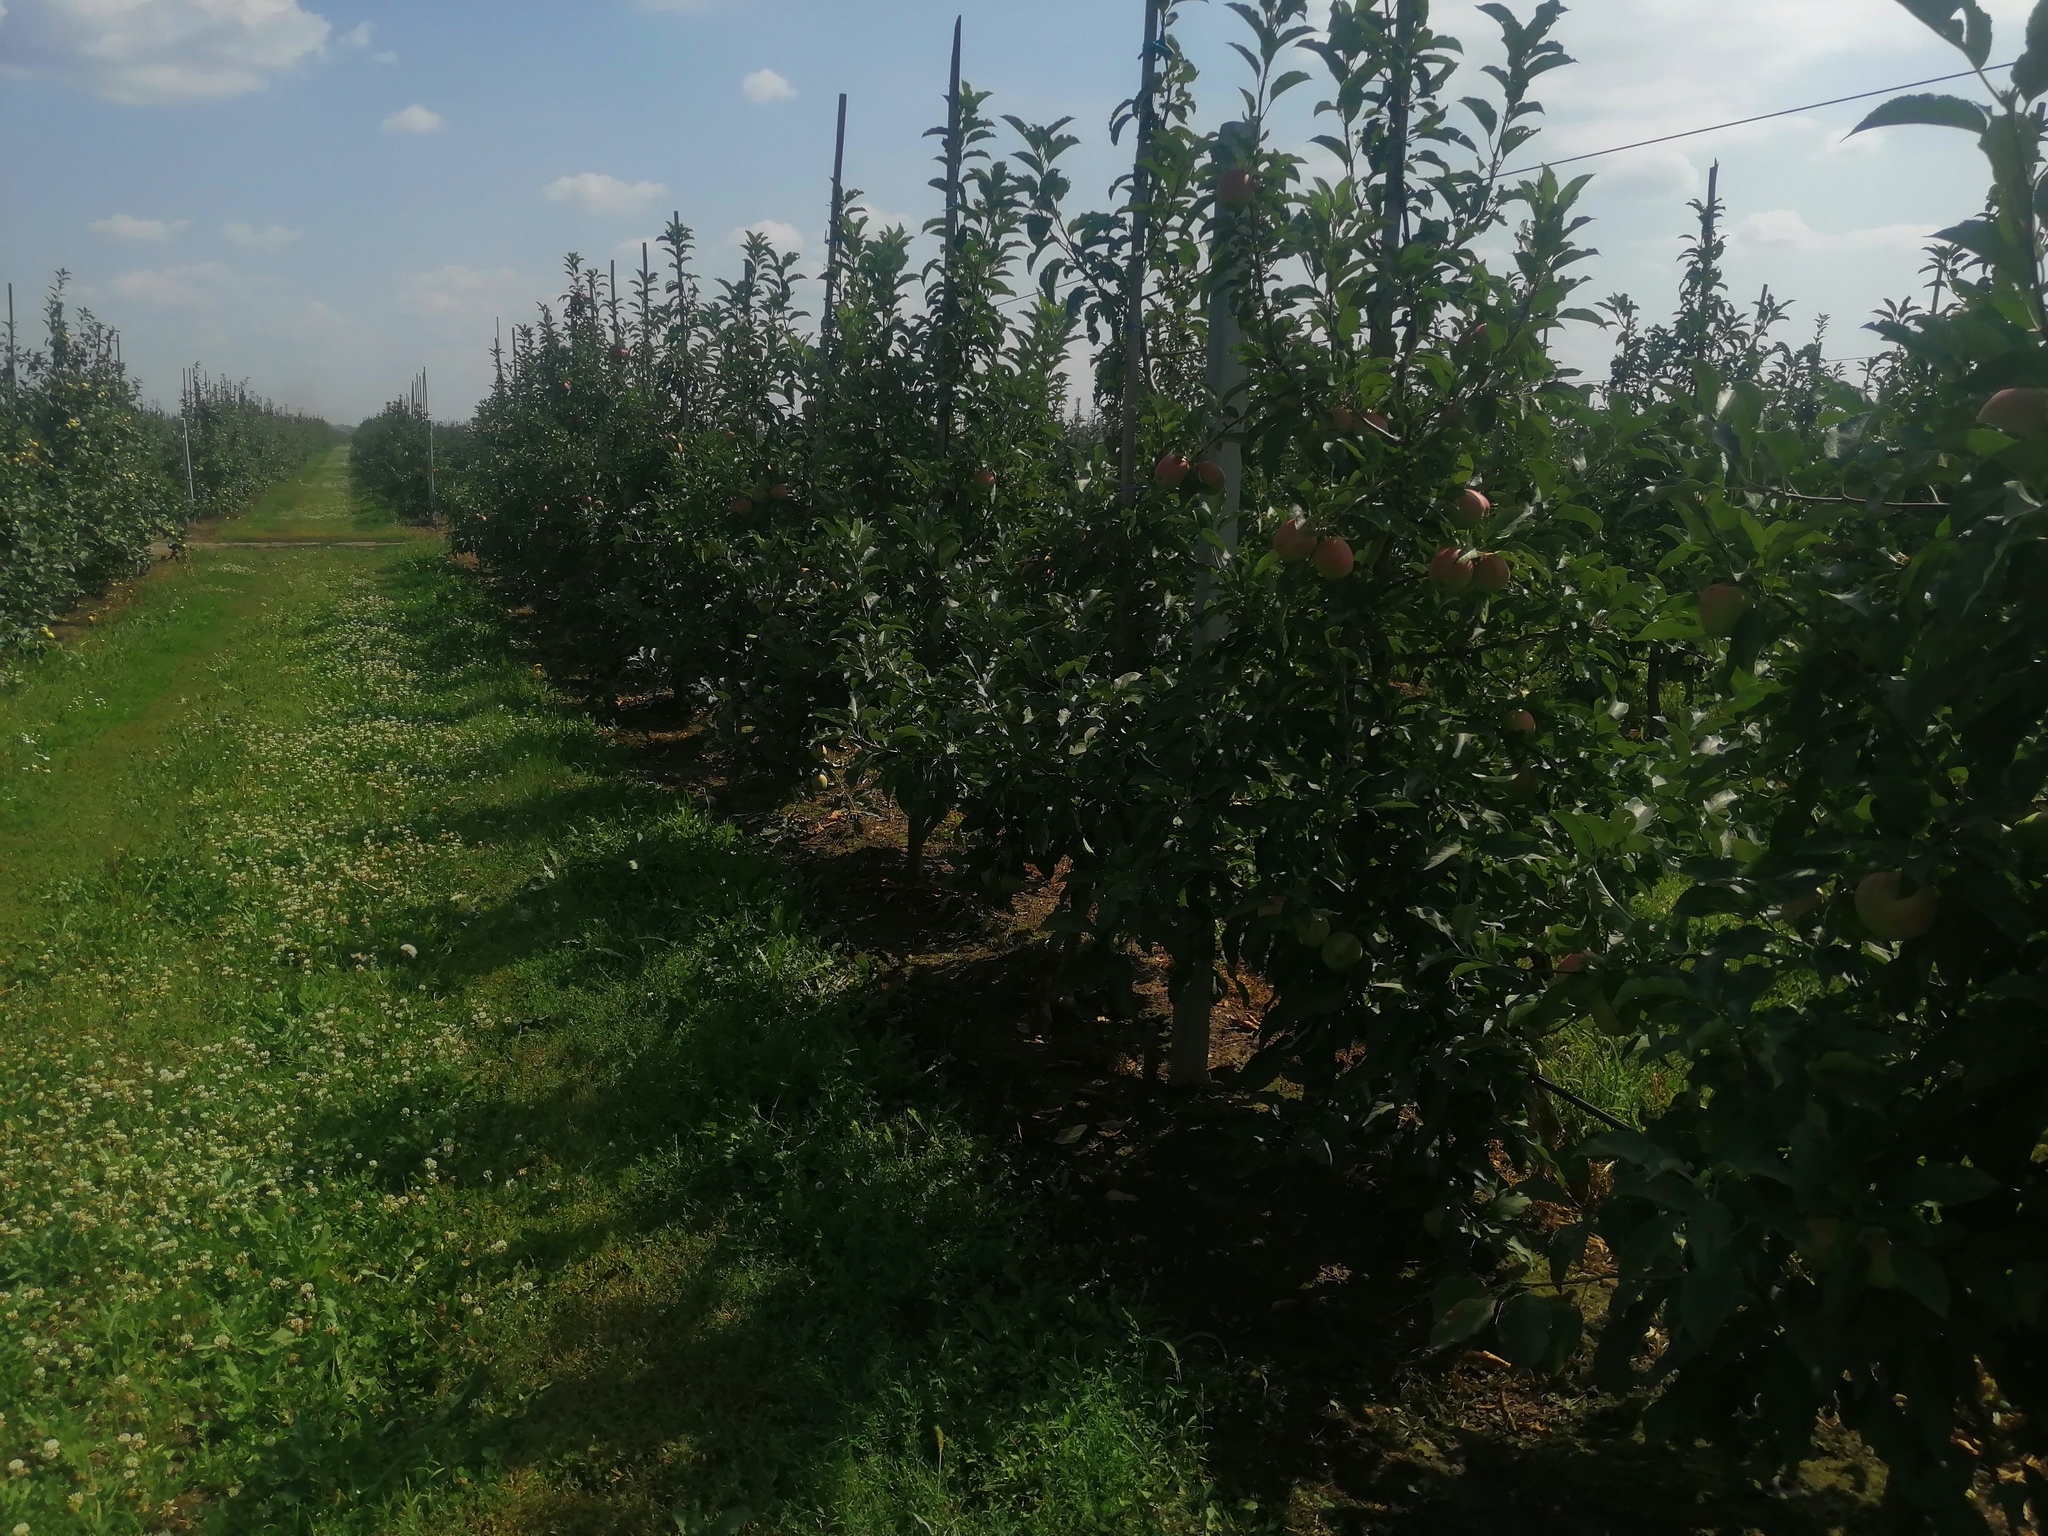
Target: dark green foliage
[[1452, 829], [401, 458], [90, 477]]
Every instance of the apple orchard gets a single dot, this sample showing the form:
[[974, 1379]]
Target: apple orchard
[[1340, 637]]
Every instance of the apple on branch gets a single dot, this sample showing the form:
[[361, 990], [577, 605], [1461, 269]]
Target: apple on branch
[[1292, 540], [1333, 559], [1889, 915], [1450, 570]]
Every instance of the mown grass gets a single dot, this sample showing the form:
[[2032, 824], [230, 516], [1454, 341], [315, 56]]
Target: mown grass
[[316, 504], [409, 1124]]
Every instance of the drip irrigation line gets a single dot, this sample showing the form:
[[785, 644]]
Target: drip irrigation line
[[1740, 122], [1578, 1103]]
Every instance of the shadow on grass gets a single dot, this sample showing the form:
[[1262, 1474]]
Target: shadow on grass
[[786, 1288], [789, 1288]]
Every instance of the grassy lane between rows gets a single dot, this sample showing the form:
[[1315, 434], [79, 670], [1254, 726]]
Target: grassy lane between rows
[[317, 504], [409, 1123]]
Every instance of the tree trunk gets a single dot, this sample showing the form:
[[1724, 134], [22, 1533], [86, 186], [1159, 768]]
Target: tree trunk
[[913, 847], [1194, 998]]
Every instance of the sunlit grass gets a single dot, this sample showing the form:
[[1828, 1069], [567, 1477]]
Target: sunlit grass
[[316, 504], [411, 1124]]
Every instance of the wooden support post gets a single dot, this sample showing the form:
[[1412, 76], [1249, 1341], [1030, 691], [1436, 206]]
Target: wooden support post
[[1134, 275], [433, 513], [828, 323], [1235, 146], [955, 152]]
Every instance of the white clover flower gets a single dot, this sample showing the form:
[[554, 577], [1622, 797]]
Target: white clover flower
[[51, 1447], [221, 1341]]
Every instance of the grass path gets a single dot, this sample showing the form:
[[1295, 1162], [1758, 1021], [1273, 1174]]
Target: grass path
[[409, 1123]]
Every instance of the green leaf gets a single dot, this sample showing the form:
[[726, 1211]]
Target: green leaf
[[1287, 82], [1463, 1306], [1922, 1278], [2030, 74], [1947, 1184], [1972, 34], [1525, 1330], [1928, 111], [1707, 1297]]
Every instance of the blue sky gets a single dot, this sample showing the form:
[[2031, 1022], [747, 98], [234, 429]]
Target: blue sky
[[326, 195]]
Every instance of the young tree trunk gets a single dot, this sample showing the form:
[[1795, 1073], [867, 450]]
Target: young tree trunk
[[913, 847], [1194, 999]]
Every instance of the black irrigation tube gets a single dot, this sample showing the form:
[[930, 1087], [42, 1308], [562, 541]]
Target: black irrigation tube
[[1578, 1103]]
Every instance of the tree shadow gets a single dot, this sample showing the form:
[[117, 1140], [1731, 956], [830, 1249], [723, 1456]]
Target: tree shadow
[[795, 1261]]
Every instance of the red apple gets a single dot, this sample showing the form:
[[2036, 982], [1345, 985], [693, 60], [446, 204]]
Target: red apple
[[1575, 962], [1344, 419], [1528, 785], [1450, 570], [1522, 720], [985, 478], [2017, 412], [1491, 574], [1721, 608], [1210, 473], [740, 504], [1293, 541], [1235, 188], [1333, 559], [780, 491], [1170, 470], [1890, 916], [1472, 507], [1379, 423]]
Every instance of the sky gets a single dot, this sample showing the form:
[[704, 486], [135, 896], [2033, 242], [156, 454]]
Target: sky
[[325, 196]]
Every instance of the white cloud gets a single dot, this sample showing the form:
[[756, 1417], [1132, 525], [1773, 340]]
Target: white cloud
[[1652, 67], [468, 295], [358, 37], [764, 86], [784, 237], [272, 238], [122, 226], [170, 287], [1786, 229], [880, 219], [595, 192], [153, 52], [414, 119]]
